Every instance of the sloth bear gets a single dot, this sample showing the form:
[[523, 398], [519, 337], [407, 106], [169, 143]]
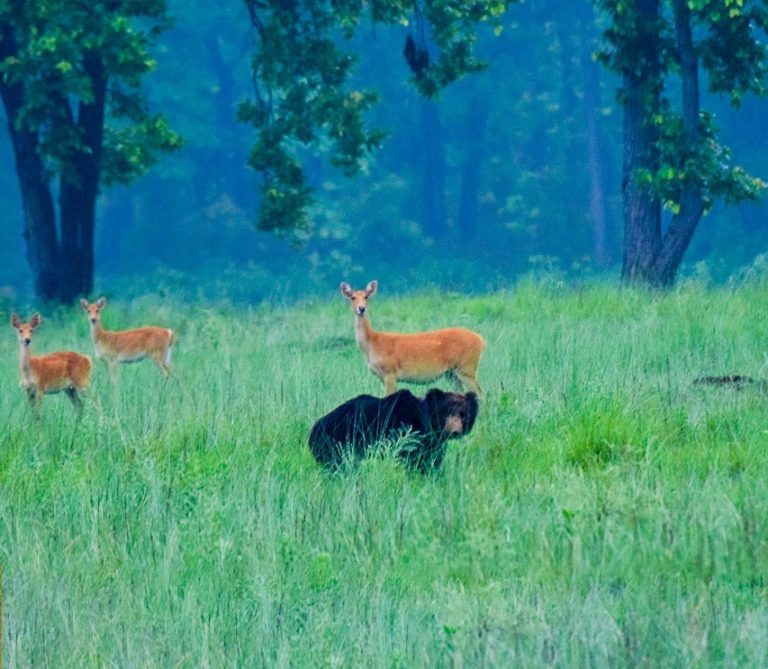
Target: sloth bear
[[350, 430]]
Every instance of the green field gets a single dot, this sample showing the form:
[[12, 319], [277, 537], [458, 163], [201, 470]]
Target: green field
[[603, 513]]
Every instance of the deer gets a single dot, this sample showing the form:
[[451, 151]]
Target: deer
[[40, 375], [116, 346], [415, 357]]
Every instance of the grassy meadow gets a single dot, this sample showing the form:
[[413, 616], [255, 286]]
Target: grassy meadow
[[604, 512]]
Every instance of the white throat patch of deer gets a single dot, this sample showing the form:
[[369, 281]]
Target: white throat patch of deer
[[414, 357]]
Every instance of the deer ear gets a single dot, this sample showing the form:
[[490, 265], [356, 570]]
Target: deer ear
[[35, 320], [101, 302], [371, 287], [346, 289], [15, 321], [84, 305]]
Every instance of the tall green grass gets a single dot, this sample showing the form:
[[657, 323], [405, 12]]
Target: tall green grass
[[604, 512]]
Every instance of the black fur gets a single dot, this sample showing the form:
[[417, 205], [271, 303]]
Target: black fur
[[351, 429]]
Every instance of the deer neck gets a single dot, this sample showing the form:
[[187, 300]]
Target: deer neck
[[97, 331], [364, 333], [25, 364]]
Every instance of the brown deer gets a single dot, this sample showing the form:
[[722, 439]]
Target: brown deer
[[128, 345], [419, 357], [46, 374]]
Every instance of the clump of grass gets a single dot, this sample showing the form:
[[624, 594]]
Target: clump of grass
[[602, 433]]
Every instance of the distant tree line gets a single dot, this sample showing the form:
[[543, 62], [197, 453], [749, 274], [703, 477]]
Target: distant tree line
[[72, 80]]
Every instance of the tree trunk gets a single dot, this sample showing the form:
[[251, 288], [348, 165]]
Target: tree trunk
[[78, 192], [77, 207], [39, 216], [647, 256], [37, 201], [684, 223], [642, 210], [62, 267]]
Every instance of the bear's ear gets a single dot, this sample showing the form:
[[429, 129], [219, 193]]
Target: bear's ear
[[434, 404], [434, 397]]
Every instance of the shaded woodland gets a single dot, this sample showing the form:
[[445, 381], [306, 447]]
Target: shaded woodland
[[510, 170]]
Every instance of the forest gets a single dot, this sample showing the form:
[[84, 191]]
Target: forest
[[513, 169]]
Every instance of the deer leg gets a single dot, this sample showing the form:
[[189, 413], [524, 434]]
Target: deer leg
[[113, 371], [94, 399], [163, 364], [469, 381], [167, 358], [75, 398], [390, 383], [35, 399], [453, 378]]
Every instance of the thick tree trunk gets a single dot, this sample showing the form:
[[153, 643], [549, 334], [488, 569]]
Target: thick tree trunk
[[39, 216], [37, 201], [642, 210], [77, 222], [78, 193]]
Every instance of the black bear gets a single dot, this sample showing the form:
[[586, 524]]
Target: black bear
[[350, 430]]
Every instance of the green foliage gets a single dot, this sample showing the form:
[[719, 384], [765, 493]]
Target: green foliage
[[604, 512], [634, 41], [706, 164], [733, 57], [63, 52], [452, 29], [131, 149], [732, 52], [303, 90]]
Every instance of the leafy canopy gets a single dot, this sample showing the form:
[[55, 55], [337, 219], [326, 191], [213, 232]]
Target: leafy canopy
[[730, 46], [59, 49], [302, 83]]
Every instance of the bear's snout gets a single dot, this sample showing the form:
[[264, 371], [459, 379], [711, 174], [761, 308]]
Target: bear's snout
[[454, 425]]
